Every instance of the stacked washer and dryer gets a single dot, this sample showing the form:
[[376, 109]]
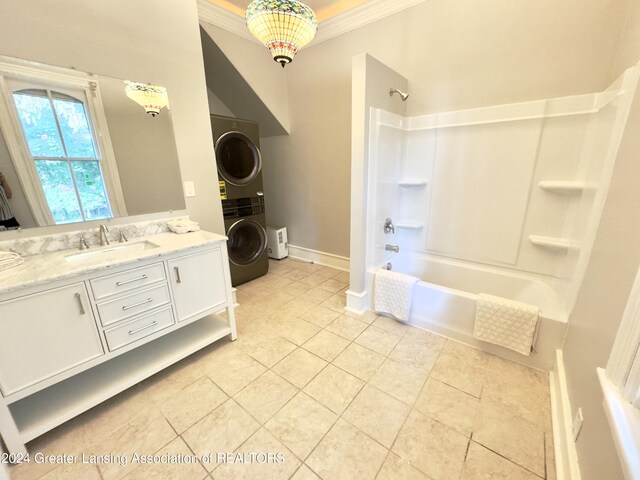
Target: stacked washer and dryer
[[237, 146]]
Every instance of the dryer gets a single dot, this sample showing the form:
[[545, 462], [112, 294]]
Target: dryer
[[244, 222], [238, 159]]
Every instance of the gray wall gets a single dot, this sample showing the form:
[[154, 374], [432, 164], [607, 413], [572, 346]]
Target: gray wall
[[109, 38], [607, 284]]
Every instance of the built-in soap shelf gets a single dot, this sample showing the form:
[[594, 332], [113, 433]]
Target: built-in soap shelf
[[561, 187], [412, 182], [554, 243], [410, 225]]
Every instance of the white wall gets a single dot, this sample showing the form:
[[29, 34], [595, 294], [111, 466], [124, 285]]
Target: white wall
[[456, 54], [607, 284], [139, 41]]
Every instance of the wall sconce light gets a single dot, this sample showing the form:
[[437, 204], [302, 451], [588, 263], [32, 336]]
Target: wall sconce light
[[153, 98], [283, 26]]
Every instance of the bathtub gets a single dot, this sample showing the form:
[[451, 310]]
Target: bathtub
[[445, 302]]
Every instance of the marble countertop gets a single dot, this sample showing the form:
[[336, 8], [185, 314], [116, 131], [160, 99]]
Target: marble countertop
[[39, 269]]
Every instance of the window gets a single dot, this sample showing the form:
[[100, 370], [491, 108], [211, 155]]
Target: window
[[61, 143], [56, 132]]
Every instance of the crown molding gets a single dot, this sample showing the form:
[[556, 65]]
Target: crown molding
[[220, 17], [369, 12], [345, 22]]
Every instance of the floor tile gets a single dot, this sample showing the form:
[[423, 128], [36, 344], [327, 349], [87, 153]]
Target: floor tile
[[320, 316], [144, 435], [316, 295], [192, 403], [171, 380], [367, 317], [233, 372], [347, 453], [301, 424], [74, 470], [459, 374], [334, 388], [269, 349], [326, 345], [299, 367], [347, 327], [359, 361], [391, 325], [419, 335], [419, 355], [265, 396], [467, 353], [430, 446], [305, 473], [399, 380], [296, 331], [259, 446], [377, 414], [223, 430], [330, 272], [378, 340], [394, 468], [510, 436], [297, 288], [296, 274], [483, 464], [332, 285], [313, 280], [184, 470], [448, 405], [343, 277], [336, 302]]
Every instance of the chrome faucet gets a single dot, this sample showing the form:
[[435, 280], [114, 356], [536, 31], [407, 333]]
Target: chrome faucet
[[104, 239], [122, 237], [388, 226], [83, 242], [392, 248]]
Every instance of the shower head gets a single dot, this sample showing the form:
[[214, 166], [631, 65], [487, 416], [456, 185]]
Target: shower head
[[403, 95]]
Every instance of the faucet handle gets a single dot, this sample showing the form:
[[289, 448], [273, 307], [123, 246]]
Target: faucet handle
[[122, 238], [388, 226], [83, 242]]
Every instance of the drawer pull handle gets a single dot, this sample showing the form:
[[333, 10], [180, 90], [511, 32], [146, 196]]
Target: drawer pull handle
[[138, 330], [143, 277], [127, 307], [178, 279], [79, 300]]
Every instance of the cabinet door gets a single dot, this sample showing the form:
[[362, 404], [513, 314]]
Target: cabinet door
[[44, 334], [198, 284]]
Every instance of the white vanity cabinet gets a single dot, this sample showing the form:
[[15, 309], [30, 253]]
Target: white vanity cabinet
[[36, 344], [197, 283], [71, 343]]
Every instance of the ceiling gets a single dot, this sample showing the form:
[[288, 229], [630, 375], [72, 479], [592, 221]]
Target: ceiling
[[324, 9]]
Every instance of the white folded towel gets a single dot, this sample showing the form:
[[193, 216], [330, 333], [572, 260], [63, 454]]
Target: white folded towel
[[183, 225], [393, 293], [9, 259], [506, 323]]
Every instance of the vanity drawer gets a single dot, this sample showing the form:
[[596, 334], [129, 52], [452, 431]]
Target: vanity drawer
[[127, 306], [139, 328], [124, 281]]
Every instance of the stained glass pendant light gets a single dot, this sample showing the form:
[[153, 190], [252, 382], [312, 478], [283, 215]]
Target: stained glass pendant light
[[151, 97], [284, 26]]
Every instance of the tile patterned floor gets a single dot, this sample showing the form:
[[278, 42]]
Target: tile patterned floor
[[340, 396]]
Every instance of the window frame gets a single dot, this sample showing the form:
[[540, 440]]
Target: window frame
[[52, 78]]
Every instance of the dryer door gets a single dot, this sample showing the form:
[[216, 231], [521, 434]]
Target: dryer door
[[238, 158], [247, 242]]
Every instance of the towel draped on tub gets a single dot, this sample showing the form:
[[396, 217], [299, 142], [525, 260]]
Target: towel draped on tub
[[393, 293]]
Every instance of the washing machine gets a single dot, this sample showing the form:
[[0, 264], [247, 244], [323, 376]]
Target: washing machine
[[244, 222], [239, 163]]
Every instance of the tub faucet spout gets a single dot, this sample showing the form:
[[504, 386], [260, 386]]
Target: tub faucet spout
[[392, 248]]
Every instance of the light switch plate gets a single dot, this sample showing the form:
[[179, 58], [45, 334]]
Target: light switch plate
[[189, 189]]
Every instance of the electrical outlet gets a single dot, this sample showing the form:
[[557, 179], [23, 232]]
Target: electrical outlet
[[577, 424], [189, 189]]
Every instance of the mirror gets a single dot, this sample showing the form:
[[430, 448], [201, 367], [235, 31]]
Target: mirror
[[74, 148]]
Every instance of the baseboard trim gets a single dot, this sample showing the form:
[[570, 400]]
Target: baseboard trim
[[567, 467], [357, 302], [321, 258]]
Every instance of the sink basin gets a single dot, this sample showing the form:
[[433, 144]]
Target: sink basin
[[110, 251]]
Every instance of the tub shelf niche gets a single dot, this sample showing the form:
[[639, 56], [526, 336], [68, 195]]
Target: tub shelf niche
[[410, 225], [561, 187], [413, 182], [553, 243]]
